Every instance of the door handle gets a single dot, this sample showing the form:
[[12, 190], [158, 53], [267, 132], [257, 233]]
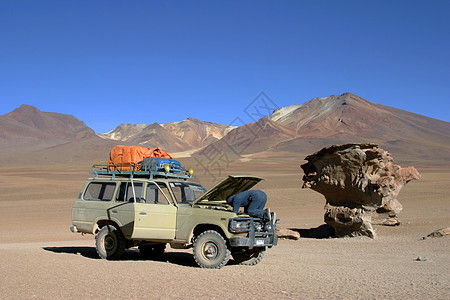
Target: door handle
[[114, 211], [143, 213]]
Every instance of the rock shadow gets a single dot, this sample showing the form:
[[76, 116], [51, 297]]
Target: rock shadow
[[322, 232]]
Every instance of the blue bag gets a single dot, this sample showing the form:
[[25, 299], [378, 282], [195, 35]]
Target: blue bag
[[158, 164]]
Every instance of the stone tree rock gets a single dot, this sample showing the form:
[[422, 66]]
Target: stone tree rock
[[356, 180]]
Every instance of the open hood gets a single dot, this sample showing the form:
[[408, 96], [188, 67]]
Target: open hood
[[231, 185]]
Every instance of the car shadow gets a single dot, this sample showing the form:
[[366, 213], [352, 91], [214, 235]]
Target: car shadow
[[322, 232], [177, 258], [88, 252]]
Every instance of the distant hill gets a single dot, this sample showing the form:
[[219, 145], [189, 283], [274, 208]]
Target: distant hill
[[251, 138], [175, 137], [198, 133], [28, 126], [337, 119], [124, 132], [28, 135], [351, 114], [154, 135]]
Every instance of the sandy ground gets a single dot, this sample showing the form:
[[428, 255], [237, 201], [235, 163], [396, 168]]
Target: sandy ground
[[41, 259]]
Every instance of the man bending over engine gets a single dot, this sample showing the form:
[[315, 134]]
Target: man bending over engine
[[253, 202]]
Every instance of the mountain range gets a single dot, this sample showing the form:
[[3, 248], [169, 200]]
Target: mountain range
[[340, 119], [29, 135], [175, 137]]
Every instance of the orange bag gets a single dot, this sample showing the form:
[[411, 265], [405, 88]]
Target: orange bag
[[132, 155], [158, 152]]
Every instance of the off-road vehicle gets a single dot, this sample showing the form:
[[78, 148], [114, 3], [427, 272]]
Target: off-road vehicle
[[150, 207]]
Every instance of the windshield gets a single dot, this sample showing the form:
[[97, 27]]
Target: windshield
[[186, 192]]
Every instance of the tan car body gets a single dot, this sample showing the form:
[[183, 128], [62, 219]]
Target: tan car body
[[175, 223]]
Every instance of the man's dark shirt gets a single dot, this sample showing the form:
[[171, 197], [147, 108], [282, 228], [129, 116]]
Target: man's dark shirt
[[253, 202]]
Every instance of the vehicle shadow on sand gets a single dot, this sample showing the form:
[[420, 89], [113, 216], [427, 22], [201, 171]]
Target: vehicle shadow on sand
[[88, 252], [178, 258]]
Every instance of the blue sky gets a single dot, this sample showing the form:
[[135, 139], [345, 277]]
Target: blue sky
[[114, 62]]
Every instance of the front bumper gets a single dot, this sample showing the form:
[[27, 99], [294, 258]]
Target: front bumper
[[255, 236], [252, 242]]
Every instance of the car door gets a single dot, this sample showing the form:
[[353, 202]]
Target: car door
[[155, 214], [122, 211]]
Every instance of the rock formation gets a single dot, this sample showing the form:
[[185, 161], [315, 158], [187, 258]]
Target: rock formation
[[438, 233], [285, 233], [357, 180], [387, 214]]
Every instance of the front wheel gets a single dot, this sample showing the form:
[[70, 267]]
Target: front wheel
[[249, 257], [110, 243], [210, 250]]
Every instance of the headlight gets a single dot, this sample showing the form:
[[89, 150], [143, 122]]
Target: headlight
[[239, 226]]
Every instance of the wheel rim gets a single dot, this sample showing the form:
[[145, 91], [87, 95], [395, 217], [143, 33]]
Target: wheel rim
[[210, 250], [109, 243]]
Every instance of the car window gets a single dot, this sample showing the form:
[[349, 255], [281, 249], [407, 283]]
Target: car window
[[137, 192], [100, 191], [126, 192], [186, 192], [154, 195]]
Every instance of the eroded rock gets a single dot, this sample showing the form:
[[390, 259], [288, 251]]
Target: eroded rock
[[358, 181], [388, 214], [284, 233], [438, 233]]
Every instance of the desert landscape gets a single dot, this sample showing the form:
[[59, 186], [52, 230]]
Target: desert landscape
[[46, 158], [42, 259]]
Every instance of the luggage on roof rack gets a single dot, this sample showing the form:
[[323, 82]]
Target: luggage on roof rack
[[149, 167], [131, 161], [123, 156], [159, 164]]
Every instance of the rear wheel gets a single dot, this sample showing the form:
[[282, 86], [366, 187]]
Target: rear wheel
[[152, 251], [249, 257], [110, 243], [210, 250]]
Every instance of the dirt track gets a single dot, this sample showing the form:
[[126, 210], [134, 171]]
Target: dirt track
[[41, 259]]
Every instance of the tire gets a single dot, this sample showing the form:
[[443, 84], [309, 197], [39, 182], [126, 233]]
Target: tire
[[152, 251], [110, 243], [251, 257], [210, 250]]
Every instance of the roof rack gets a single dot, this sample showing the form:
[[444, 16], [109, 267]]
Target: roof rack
[[138, 170]]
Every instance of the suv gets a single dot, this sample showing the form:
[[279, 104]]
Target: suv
[[150, 208]]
